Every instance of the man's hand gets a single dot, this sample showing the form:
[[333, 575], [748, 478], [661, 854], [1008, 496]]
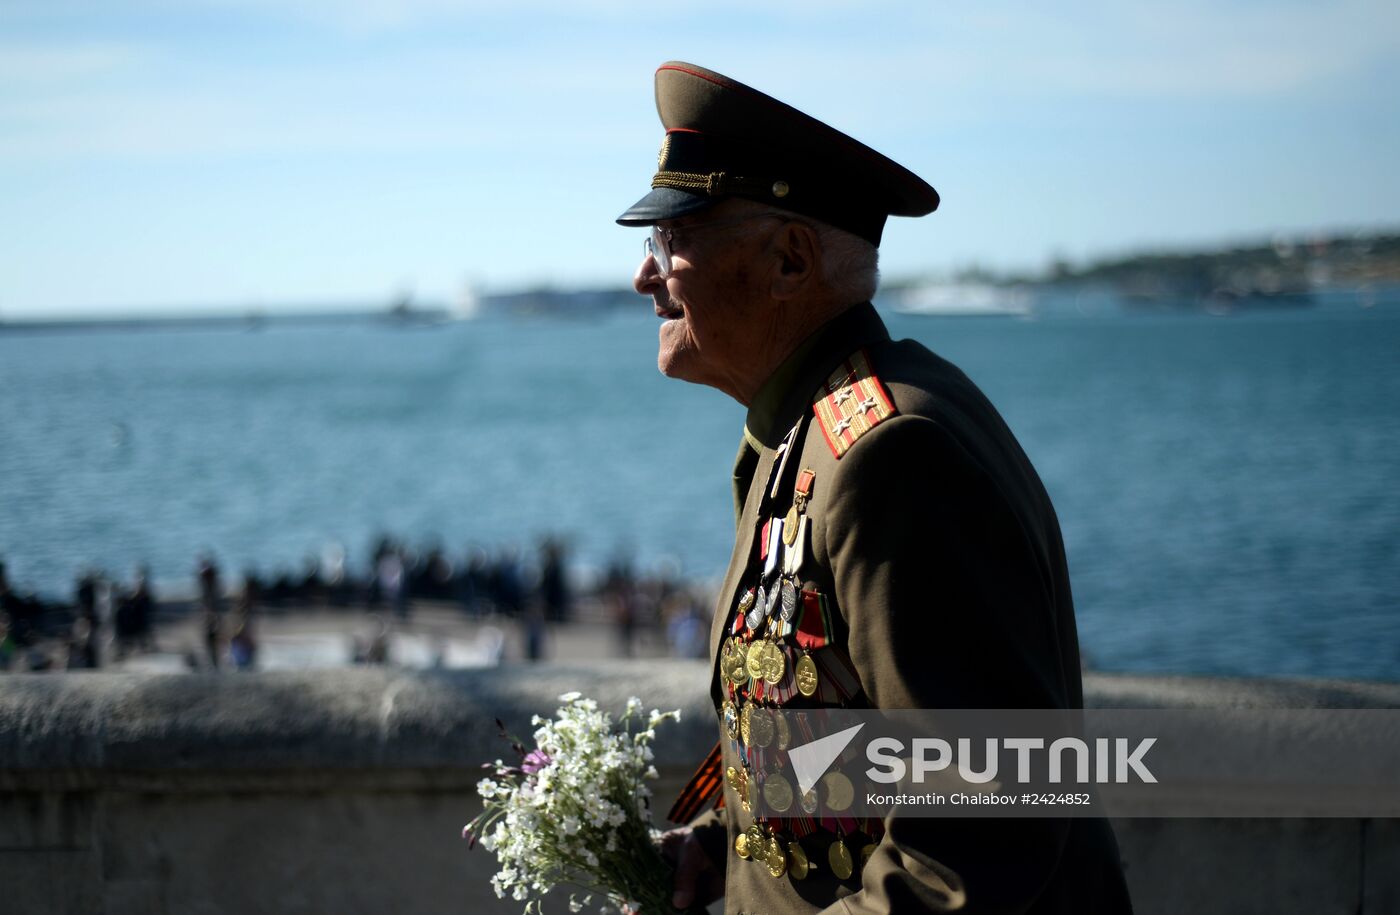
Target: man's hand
[[698, 882]]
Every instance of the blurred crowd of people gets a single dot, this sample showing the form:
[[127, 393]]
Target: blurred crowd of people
[[38, 634], [109, 620]]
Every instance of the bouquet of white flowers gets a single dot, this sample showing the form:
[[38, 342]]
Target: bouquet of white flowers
[[575, 811]]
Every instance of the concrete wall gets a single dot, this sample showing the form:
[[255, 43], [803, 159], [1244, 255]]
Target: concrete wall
[[346, 791]]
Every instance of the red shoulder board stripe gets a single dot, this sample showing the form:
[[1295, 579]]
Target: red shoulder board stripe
[[851, 403]]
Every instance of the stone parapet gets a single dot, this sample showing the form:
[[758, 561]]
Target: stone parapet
[[345, 790]]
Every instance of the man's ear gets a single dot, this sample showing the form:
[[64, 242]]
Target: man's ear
[[797, 258]]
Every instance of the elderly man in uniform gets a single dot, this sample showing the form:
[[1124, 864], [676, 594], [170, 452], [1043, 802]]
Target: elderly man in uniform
[[921, 561]]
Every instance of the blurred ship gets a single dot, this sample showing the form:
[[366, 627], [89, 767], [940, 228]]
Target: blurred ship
[[962, 300]]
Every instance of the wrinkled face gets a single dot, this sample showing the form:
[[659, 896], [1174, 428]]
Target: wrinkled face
[[714, 321]]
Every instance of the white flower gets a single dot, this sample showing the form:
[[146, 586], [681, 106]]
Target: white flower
[[586, 809]]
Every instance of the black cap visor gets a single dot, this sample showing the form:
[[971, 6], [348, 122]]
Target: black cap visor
[[665, 203]]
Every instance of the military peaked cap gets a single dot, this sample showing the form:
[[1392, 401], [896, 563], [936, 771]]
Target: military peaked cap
[[724, 139]]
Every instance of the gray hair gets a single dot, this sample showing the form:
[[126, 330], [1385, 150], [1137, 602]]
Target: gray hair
[[850, 264]]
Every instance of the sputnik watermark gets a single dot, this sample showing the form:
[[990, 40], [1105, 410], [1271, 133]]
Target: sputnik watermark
[[1113, 759], [846, 764]]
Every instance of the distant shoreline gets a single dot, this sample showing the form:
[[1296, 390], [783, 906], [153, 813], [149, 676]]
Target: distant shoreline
[[252, 321]]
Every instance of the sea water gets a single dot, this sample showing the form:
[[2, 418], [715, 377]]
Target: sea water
[[1227, 486]]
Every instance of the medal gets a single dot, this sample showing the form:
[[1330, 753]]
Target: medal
[[757, 610], [776, 858], [741, 845], [744, 718], [797, 861], [839, 857], [758, 845], [730, 714], [754, 663], [774, 664], [809, 801], [761, 729], [731, 662], [807, 678], [731, 775], [839, 791], [801, 493], [784, 739], [789, 592], [795, 553], [777, 792], [775, 594], [803, 490], [746, 602], [744, 800]]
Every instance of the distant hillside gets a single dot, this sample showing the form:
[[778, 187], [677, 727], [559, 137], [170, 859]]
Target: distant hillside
[[1281, 268]]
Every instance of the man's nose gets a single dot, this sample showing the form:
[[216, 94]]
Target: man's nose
[[647, 279]]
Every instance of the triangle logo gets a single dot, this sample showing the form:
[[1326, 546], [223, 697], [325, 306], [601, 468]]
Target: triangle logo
[[811, 760]]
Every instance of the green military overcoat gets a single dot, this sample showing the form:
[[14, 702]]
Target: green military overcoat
[[935, 545]]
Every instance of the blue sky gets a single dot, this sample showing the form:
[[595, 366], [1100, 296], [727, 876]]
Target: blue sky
[[206, 155]]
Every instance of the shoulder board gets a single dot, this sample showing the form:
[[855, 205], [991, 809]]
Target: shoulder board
[[851, 403]]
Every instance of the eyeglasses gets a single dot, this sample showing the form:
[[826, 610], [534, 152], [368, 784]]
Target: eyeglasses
[[659, 244]]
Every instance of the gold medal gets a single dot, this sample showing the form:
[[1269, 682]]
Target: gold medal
[[809, 801], [790, 526], [807, 677], [798, 864], [735, 663], [777, 792], [754, 662], [761, 730], [731, 776], [758, 845], [839, 857], [776, 859], [730, 715], [744, 800], [744, 718], [865, 854], [839, 790], [746, 603], [741, 845], [774, 664], [784, 738]]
